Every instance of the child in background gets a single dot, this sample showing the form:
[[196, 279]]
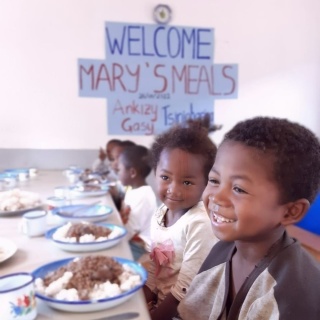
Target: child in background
[[266, 174], [117, 191], [182, 158], [102, 164], [140, 202]]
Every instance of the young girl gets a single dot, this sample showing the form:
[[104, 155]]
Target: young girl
[[182, 158], [266, 173], [140, 202]]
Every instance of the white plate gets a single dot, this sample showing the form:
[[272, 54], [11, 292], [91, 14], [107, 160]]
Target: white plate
[[18, 212], [75, 191], [89, 305], [7, 249], [82, 212], [89, 246]]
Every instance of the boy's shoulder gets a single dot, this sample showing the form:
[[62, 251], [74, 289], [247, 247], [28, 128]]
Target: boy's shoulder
[[295, 260], [219, 254]]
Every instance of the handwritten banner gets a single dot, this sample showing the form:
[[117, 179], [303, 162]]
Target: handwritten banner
[[155, 76]]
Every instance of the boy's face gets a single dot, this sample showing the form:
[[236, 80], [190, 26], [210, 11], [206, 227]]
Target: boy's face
[[241, 184], [123, 173], [115, 153], [109, 148], [180, 179]]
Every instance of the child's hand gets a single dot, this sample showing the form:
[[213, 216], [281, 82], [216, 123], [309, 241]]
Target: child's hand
[[102, 154], [124, 213]]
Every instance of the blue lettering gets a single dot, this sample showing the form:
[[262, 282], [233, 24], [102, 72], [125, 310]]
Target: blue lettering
[[190, 40], [115, 44], [155, 42], [200, 43], [171, 118], [173, 41], [131, 39], [144, 44]]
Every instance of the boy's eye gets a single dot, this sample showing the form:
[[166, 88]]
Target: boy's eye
[[213, 181], [187, 183], [239, 190], [164, 177]]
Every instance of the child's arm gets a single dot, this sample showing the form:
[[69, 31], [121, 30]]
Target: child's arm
[[124, 212], [102, 154], [167, 309], [149, 295]]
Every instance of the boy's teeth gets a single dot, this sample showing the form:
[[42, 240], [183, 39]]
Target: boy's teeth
[[221, 219]]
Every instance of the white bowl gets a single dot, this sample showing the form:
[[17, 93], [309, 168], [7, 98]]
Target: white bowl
[[89, 246], [82, 212], [89, 305]]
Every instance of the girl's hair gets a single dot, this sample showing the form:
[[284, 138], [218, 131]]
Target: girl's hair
[[192, 137], [294, 148], [137, 157]]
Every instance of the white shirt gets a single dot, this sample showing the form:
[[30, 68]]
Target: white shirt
[[143, 204], [192, 239]]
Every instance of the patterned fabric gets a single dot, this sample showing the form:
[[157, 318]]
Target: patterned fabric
[[274, 290], [181, 249], [162, 255]]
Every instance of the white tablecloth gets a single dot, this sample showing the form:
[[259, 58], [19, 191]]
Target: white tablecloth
[[34, 252]]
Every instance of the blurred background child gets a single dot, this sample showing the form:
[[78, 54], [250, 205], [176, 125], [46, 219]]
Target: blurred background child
[[102, 164], [266, 174], [182, 159], [140, 202], [117, 189]]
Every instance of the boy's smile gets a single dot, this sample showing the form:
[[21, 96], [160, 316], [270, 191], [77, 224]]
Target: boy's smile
[[241, 197]]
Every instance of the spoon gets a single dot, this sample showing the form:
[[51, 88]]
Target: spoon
[[121, 316], [84, 207]]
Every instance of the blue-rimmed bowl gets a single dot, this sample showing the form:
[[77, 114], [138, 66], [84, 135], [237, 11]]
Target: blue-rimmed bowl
[[89, 305], [8, 181], [89, 246], [82, 212], [21, 174]]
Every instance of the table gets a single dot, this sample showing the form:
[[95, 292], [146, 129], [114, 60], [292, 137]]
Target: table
[[34, 252]]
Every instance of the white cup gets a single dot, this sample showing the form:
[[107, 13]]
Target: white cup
[[17, 297], [33, 172], [34, 223], [62, 192], [23, 176]]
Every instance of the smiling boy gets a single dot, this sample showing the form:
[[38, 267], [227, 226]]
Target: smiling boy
[[266, 174]]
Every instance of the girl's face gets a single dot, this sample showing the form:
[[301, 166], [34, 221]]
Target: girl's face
[[180, 179], [241, 197]]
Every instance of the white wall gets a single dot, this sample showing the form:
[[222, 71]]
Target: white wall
[[276, 44]]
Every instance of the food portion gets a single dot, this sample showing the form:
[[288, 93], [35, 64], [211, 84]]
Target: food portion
[[88, 278], [90, 177], [82, 232], [81, 187], [17, 199]]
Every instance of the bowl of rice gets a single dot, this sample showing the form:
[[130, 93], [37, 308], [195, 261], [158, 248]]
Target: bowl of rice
[[86, 236], [86, 284]]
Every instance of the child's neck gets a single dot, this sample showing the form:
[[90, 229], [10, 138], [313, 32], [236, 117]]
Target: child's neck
[[138, 183], [248, 257], [171, 217], [253, 252]]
